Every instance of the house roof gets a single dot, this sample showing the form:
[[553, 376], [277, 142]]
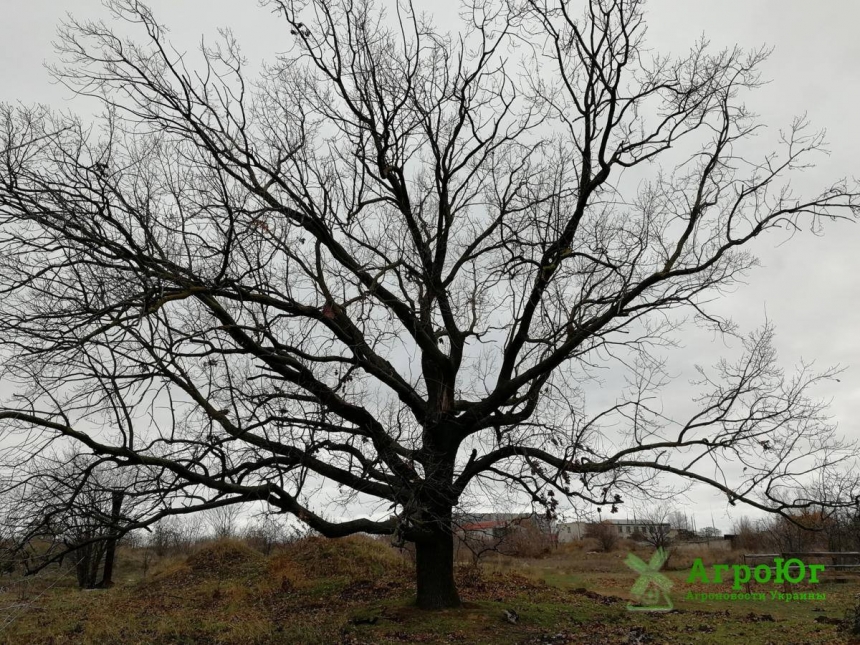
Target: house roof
[[479, 526]]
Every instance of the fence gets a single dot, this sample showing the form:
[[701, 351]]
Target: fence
[[835, 557]]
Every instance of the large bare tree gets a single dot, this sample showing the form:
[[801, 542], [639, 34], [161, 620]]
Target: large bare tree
[[388, 266]]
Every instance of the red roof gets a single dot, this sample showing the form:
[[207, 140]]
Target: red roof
[[491, 524], [478, 526]]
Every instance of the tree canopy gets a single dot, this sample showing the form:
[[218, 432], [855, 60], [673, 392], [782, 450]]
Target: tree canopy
[[390, 263]]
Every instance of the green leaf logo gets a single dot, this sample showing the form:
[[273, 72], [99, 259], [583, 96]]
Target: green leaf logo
[[651, 589]]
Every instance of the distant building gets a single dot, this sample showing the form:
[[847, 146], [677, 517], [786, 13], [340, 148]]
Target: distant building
[[570, 531], [497, 526], [490, 529], [630, 528], [577, 530]]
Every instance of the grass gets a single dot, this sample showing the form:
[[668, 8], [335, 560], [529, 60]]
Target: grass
[[358, 591]]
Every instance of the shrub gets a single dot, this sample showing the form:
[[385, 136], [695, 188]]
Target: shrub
[[605, 533]]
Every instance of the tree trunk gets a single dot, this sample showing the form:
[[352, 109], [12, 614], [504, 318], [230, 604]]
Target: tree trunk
[[110, 551], [82, 567], [86, 567], [434, 563], [110, 556]]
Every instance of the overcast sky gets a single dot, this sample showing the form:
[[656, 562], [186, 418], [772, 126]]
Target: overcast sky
[[808, 287]]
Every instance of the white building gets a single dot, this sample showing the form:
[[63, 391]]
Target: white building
[[570, 531], [629, 528]]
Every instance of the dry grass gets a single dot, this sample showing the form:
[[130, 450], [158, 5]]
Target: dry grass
[[353, 557], [224, 558], [683, 560], [358, 590]]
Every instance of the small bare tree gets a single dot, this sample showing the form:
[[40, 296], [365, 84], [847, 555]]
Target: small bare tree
[[223, 521], [657, 527], [681, 524], [843, 530], [264, 533], [796, 533], [162, 538], [679, 520], [176, 534], [8, 558], [606, 534], [748, 535], [73, 506]]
